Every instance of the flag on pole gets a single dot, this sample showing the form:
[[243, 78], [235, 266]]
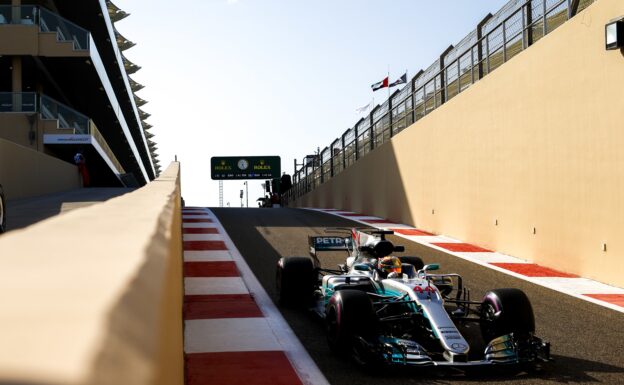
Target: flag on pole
[[365, 108], [401, 80], [380, 85]]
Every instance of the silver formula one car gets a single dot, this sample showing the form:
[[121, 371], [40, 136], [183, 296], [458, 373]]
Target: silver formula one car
[[381, 308]]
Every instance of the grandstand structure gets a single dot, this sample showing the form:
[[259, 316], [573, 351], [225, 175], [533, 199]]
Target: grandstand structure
[[496, 39], [65, 88]]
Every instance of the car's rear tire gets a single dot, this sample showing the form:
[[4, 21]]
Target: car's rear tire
[[414, 261], [505, 311], [2, 211], [349, 314], [294, 280]]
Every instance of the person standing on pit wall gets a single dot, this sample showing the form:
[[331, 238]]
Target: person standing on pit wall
[[80, 161], [275, 200], [285, 185]]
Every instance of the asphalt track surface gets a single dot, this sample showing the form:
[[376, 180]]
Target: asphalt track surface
[[587, 340]]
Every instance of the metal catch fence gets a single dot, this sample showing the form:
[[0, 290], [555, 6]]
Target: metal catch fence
[[496, 39]]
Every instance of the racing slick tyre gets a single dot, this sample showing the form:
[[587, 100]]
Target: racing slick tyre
[[414, 261], [350, 316], [2, 211], [295, 281], [505, 311]]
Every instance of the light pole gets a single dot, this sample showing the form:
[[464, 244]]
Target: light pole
[[247, 193]]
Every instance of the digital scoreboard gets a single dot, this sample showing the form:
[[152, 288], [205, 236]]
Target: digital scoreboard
[[245, 167]]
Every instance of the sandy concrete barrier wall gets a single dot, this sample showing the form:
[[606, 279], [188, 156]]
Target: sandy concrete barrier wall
[[25, 172], [94, 296], [528, 161]]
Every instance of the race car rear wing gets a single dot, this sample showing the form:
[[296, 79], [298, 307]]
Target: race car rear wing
[[328, 243]]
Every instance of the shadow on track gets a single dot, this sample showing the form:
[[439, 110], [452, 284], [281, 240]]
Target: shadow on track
[[575, 328]]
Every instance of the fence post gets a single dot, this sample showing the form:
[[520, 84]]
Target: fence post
[[459, 74], [480, 43], [413, 112], [504, 43], [390, 106], [306, 183], [572, 8], [371, 128], [529, 23], [443, 76], [418, 74], [357, 136], [331, 163], [487, 53], [390, 112], [344, 151], [472, 79], [544, 26], [524, 28]]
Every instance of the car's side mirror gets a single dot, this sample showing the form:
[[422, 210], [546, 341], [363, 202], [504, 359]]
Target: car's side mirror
[[362, 267], [431, 267]]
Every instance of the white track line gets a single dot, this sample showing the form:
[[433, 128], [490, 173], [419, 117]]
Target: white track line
[[427, 238], [229, 335], [202, 237], [490, 257], [195, 217], [198, 225], [214, 285], [207, 256], [387, 225], [580, 285], [299, 358]]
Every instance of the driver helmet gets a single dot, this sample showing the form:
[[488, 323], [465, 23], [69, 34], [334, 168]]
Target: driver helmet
[[390, 265]]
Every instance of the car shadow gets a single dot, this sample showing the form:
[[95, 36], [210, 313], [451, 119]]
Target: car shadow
[[564, 370]]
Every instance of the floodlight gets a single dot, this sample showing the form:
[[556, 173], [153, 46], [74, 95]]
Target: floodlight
[[614, 34]]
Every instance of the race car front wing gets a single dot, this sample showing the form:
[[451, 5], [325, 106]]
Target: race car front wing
[[504, 350]]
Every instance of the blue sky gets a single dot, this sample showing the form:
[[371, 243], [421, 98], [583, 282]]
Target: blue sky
[[274, 77]]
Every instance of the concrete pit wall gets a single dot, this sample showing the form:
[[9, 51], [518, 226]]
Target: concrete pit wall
[[94, 296], [25, 172], [535, 145]]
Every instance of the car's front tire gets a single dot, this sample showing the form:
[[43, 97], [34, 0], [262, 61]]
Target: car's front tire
[[349, 315], [505, 311], [294, 281]]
